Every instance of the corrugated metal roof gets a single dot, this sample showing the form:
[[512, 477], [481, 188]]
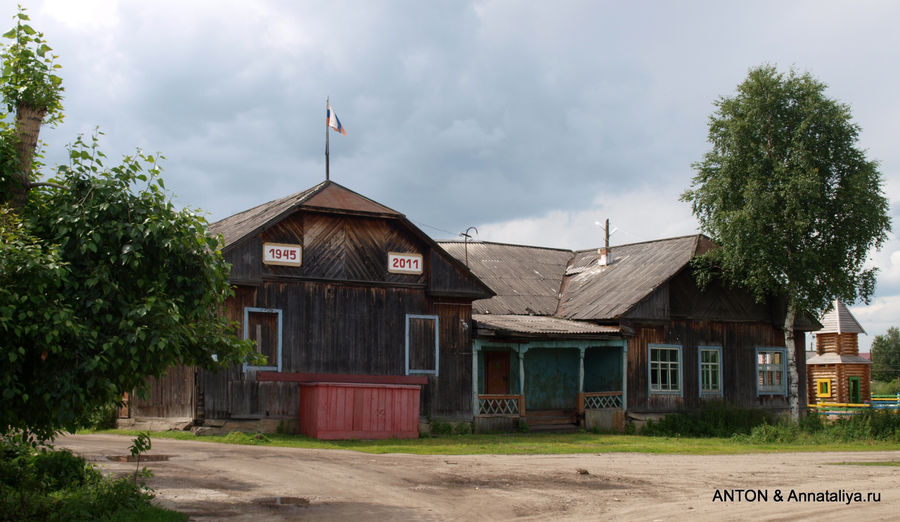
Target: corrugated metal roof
[[526, 279], [840, 320], [327, 194], [535, 325], [594, 292]]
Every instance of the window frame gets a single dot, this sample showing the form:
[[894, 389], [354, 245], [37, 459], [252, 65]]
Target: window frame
[[827, 386], [767, 390], [278, 312], [677, 348], [709, 393], [437, 347]]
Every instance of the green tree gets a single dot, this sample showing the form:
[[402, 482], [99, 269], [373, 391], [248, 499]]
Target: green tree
[[886, 355], [32, 91], [103, 282], [791, 200]]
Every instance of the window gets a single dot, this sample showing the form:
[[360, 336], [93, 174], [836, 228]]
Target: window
[[422, 348], [823, 387], [665, 368], [263, 326], [771, 371], [710, 370]]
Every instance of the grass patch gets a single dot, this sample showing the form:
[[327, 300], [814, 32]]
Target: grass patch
[[872, 463], [539, 444]]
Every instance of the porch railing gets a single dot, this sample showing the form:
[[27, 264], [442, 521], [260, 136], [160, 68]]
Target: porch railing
[[490, 404], [601, 400]]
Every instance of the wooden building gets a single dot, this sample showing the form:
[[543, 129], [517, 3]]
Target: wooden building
[[334, 288], [595, 336], [837, 373]]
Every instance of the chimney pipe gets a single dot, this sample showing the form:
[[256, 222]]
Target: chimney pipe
[[604, 254]]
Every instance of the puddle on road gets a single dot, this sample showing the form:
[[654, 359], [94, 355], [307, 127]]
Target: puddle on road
[[283, 501], [144, 458]]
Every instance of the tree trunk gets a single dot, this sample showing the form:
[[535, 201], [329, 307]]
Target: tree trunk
[[793, 388], [28, 127]]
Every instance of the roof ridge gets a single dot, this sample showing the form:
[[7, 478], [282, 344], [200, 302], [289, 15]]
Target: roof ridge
[[505, 244], [697, 235]]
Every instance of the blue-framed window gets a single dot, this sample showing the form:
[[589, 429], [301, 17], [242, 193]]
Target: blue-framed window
[[709, 359], [665, 372], [422, 344], [263, 326], [771, 371]]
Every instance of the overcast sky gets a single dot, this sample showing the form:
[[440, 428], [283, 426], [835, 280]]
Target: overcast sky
[[530, 120]]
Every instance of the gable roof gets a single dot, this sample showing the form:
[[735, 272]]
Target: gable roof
[[530, 280], [594, 292], [331, 197], [326, 195], [525, 279], [840, 320]]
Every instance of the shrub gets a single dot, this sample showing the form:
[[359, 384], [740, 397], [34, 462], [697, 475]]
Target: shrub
[[780, 433], [44, 484], [103, 418], [441, 428], [713, 419], [886, 387], [462, 428]]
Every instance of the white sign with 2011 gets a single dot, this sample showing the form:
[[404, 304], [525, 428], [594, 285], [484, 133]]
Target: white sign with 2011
[[405, 263]]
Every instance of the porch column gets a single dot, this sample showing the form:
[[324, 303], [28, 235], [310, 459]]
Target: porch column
[[521, 350], [476, 349], [581, 369], [580, 398], [625, 375]]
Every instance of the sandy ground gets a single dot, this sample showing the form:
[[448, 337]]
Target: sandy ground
[[212, 481]]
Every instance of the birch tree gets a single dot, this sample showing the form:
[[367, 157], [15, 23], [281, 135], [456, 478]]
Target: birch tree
[[790, 198]]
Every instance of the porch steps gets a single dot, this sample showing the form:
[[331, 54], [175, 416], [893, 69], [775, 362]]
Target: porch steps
[[552, 420]]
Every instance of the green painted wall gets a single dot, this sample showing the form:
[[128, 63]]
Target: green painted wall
[[603, 369], [551, 378]]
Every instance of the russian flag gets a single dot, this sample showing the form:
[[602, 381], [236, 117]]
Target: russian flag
[[333, 120]]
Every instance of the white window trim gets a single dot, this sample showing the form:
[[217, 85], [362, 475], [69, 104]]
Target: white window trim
[[680, 391], [784, 377], [706, 393], [437, 348], [247, 310]]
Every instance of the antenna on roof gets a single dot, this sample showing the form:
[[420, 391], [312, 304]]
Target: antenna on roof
[[604, 254], [465, 235]]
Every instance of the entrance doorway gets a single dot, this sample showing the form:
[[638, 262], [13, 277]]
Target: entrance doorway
[[496, 373], [853, 386]]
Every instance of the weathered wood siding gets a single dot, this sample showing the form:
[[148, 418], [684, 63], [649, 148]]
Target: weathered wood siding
[[738, 341], [344, 312], [171, 395]]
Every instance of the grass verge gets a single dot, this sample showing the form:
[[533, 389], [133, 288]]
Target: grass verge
[[535, 444]]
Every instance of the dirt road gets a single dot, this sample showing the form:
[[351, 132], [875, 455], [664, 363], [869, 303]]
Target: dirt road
[[227, 482]]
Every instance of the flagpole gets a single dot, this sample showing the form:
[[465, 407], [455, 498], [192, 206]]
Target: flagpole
[[327, 167]]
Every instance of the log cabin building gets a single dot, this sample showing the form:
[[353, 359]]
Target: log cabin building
[[596, 336], [837, 373], [335, 289], [340, 291]]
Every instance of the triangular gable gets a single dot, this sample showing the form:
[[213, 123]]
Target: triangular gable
[[331, 197]]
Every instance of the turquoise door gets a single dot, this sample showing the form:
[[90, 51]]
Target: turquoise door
[[551, 379]]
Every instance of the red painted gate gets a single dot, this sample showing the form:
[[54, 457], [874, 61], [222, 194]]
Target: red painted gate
[[331, 410]]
